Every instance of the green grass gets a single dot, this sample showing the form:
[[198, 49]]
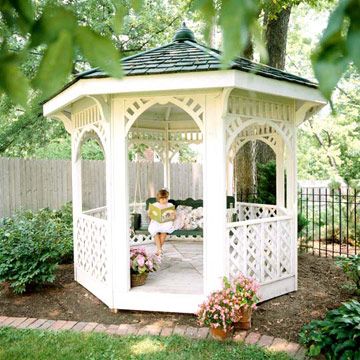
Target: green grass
[[36, 344]]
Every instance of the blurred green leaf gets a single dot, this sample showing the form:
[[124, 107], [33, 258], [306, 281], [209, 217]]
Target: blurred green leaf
[[207, 9], [353, 43], [336, 20], [55, 65], [53, 20], [137, 5], [99, 51], [25, 9], [120, 12], [13, 82], [236, 18]]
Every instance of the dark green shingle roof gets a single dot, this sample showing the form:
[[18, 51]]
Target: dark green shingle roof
[[185, 56]]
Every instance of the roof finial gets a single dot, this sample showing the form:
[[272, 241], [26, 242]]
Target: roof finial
[[184, 34]]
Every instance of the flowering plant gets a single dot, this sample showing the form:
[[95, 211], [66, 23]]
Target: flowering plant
[[219, 310], [141, 262], [245, 289]]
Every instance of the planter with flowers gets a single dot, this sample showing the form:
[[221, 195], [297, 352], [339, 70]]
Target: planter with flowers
[[219, 313], [141, 264], [245, 290]]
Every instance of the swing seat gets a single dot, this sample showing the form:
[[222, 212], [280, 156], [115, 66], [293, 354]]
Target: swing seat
[[187, 202]]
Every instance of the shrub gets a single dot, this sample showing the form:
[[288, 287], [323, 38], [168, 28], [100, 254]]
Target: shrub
[[337, 336], [32, 244], [351, 267]]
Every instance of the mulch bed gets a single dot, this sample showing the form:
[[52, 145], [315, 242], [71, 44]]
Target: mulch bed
[[319, 290]]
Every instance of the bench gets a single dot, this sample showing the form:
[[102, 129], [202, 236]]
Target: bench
[[143, 230]]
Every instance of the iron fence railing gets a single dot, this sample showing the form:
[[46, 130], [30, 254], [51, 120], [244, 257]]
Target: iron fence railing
[[331, 221], [328, 221]]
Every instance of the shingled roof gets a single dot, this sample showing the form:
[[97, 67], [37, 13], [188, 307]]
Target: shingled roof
[[184, 54]]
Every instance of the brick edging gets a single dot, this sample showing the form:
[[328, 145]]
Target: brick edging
[[269, 342]]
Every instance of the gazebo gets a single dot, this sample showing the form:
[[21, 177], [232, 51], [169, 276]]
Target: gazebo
[[175, 94]]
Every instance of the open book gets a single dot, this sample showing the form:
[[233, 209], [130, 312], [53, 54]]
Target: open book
[[161, 215]]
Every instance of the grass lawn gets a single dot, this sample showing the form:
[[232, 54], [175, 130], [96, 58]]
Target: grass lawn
[[36, 344]]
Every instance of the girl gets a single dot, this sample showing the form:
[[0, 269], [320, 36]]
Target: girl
[[160, 230]]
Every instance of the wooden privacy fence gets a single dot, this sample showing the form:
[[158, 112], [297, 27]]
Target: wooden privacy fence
[[34, 184]]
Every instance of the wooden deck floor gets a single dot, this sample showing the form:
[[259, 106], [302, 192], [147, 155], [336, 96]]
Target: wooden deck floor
[[181, 269]]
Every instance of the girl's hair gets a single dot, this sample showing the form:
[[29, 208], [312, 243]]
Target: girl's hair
[[163, 193]]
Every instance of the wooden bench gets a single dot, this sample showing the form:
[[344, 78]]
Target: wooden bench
[[187, 202]]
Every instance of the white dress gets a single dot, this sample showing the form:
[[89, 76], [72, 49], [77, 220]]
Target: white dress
[[166, 227]]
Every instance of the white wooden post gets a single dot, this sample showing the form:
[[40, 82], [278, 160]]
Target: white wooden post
[[291, 198], [166, 158], [119, 201], [77, 191], [214, 190], [280, 175], [230, 176]]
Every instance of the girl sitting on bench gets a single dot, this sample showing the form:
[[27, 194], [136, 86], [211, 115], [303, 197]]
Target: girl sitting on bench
[[160, 230]]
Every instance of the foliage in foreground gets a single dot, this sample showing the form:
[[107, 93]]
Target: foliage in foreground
[[35, 344], [351, 267], [337, 336], [32, 244]]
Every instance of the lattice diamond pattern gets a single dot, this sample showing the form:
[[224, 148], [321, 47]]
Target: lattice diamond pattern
[[237, 251], [91, 243], [261, 250], [269, 258], [253, 251], [285, 251]]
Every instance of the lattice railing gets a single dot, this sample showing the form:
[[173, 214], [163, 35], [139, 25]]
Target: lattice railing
[[261, 248], [250, 211], [100, 212], [91, 246]]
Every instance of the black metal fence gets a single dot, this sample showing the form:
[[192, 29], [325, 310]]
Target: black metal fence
[[329, 221]]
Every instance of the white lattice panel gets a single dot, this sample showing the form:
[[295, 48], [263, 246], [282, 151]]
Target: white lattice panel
[[91, 247], [250, 211], [285, 248], [261, 249]]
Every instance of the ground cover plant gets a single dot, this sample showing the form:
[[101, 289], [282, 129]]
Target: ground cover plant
[[35, 344], [351, 267], [32, 244], [337, 336]]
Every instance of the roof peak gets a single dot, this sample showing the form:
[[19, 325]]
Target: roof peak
[[184, 34]]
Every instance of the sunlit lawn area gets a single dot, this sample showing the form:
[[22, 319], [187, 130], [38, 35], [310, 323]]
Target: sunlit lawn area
[[35, 344]]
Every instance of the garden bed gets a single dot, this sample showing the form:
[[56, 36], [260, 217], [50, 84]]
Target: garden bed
[[319, 290]]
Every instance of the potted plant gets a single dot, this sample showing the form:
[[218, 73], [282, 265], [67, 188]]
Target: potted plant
[[219, 313], [245, 291], [141, 264]]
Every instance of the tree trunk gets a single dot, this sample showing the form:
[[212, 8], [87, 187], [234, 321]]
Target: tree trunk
[[276, 37]]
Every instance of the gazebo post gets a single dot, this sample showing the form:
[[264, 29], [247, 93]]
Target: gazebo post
[[291, 198], [119, 201], [214, 193], [280, 175], [77, 192], [166, 159]]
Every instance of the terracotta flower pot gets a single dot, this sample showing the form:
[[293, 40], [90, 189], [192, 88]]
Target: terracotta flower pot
[[138, 279], [244, 322], [218, 333]]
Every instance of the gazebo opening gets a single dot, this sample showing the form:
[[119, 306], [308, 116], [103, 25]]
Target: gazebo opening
[[157, 136], [264, 227], [92, 157]]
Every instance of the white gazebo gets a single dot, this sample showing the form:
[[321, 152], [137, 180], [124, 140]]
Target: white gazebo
[[176, 94]]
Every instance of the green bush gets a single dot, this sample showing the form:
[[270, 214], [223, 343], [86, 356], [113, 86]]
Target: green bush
[[351, 267], [32, 244], [337, 336]]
